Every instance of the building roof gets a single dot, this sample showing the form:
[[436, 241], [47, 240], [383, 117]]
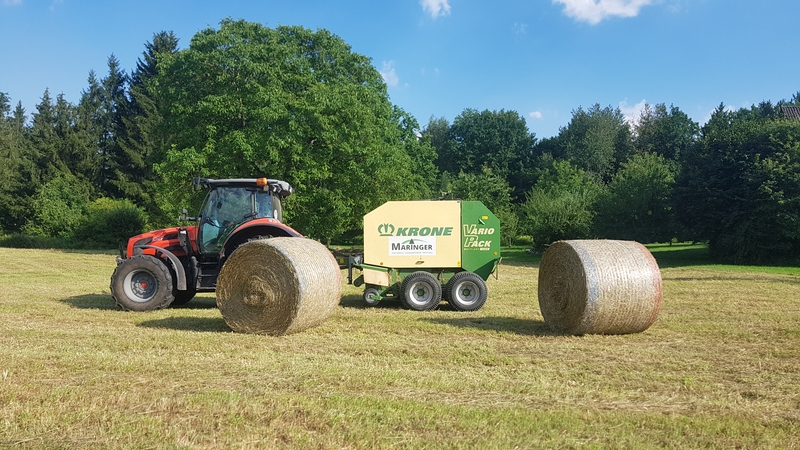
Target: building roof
[[791, 112]]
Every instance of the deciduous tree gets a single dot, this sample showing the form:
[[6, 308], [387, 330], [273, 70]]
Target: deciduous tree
[[289, 103]]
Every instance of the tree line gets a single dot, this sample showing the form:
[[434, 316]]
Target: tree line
[[245, 100]]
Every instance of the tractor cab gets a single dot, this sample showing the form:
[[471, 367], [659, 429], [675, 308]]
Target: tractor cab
[[232, 203], [226, 207]]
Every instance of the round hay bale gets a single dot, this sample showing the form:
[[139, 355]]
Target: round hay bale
[[278, 286], [599, 287]]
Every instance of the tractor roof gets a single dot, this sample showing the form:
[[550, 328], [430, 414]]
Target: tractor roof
[[277, 187]]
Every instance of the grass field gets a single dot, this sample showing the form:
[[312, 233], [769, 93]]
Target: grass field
[[720, 368]]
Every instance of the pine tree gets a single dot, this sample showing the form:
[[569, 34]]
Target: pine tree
[[113, 108], [140, 142]]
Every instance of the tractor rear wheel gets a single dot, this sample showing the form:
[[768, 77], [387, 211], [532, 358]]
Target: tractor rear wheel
[[142, 283], [421, 291], [466, 291]]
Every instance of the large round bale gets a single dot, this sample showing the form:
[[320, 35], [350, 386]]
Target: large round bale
[[278, 286], [599, 287]]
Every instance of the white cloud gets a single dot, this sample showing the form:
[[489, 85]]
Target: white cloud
[[388, 74], [632, 112], [436, 8], [535, 114], [594, 11]]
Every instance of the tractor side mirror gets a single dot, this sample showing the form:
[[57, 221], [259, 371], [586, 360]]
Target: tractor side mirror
[[184, 217]]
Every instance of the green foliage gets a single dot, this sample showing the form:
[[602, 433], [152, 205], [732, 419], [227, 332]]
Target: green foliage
[[422, 153], [668, 133], [637, 203], [59, 207], [109, 222], [497, 140], [490, 189], [287, 103], [560, 205], [741, 189], [15, 169], [141, 145], [596, 140]]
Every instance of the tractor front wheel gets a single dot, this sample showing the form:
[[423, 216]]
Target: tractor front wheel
[[142, 283], [421, 291]]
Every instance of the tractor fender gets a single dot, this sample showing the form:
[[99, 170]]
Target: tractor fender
[[173, 260], [256, 229]]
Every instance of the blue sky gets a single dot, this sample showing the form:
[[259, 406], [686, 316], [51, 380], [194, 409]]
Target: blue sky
[[541, 58]]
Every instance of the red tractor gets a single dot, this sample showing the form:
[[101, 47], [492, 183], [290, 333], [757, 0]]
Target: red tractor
[[167, 267]]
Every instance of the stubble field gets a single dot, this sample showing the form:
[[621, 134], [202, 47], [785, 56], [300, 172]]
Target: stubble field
[[720, 368]]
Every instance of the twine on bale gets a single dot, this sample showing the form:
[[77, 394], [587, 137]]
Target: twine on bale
[[599, 287], [278, 286]]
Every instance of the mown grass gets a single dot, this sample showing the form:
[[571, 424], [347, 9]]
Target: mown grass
[[719, 369]]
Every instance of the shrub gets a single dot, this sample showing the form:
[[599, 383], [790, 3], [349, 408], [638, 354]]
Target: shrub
[[110, 222], [59, 207], [560, 205]]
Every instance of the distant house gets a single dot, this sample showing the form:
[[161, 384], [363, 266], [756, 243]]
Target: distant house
[[791, 112]]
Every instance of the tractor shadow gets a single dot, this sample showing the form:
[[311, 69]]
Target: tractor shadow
[[521, 327], [91, 301], [106, 302]]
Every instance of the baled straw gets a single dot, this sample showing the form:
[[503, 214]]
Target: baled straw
[[278, 286], [599, 287]]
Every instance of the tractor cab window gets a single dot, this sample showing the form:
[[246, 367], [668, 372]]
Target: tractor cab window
[[268, 205], [228, 207], [225, 209]]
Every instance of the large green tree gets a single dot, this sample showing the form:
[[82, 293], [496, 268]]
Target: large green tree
[[637, 202], [15, 169], [739, 188], [247, 100], [561, 205], [495, 140], [667, 132], [140, 143], [112, 111], [596, 140]]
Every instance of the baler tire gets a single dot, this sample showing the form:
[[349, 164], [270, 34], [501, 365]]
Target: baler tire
[[369, 292], [421, 291], [142, 283], [466, 291]]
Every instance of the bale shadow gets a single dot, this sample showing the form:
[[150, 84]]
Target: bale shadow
[[91, 301], [199, 324], [523, 327]]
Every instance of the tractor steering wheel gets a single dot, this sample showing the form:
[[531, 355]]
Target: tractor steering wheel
[[212, 221]]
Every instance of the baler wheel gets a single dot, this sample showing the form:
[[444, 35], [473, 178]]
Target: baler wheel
[[142, 283], [368, 293], [466, 291], [421, 291]]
